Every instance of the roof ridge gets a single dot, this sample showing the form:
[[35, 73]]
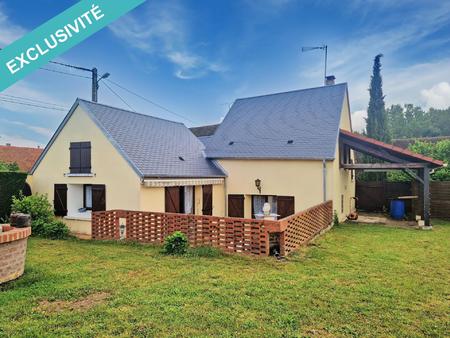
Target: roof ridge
[[292, 91], [129, 111]]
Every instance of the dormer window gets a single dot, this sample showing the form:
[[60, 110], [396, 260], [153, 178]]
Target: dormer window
[[80, 157]]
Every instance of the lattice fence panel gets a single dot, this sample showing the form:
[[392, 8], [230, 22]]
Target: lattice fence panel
[[227, 233], [304, 226]]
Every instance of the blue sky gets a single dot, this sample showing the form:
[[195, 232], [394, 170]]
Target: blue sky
[[196, 57]]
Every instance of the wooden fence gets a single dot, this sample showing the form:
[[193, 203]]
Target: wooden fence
[[376, 196], [240, 235]]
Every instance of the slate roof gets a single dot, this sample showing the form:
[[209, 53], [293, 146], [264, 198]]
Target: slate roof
[[204, 130], [301, 124], [154, 147], [23, 156]]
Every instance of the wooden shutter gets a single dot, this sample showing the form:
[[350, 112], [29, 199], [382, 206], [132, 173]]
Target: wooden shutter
[[172, 199], [207, 200], [98, 197], [60, 199], [236, 206], [80, 157], [75, 158], [285, 206], [85, 155]]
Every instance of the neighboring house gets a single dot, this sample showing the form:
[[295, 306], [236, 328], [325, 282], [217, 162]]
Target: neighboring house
[[280, 148], [25, 157]]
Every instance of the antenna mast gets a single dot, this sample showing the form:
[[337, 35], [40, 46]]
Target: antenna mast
[[325, 49]]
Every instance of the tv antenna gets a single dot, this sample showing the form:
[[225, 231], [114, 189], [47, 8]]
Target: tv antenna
[[325, 49]]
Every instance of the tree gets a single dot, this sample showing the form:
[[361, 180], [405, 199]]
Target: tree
[[376, 122]]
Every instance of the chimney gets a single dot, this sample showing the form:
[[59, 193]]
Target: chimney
[[329, 80]]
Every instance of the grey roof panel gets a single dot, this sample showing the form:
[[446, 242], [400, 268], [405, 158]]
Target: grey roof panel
[[260, 127], [154, 146], [204, 130]]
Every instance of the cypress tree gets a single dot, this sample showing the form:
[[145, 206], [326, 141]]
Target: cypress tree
[[376, 121]]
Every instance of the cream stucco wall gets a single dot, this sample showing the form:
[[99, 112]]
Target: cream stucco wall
[[343, 184], [108, 166], [153, 199], [299, 178]]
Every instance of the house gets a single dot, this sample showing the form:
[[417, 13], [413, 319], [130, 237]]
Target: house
[[23, 156], [279, 148]]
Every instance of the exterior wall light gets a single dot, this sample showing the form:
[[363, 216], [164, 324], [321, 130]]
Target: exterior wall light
[[258, 184], [122, 228]]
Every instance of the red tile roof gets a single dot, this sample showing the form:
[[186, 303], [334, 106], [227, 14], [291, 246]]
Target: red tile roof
[[23, 156], [391, 148]]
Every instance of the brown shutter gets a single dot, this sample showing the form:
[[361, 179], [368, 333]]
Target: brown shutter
[[80, 157], [98, 197], [285, 206], [207, 199], [236, 206], [60, 199], [85, 156], [172, 199], [75, 158]]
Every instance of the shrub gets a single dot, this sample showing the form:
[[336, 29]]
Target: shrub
[[55, 230], [43, 222], [11, 183], [176, 244], [335, 219], [37, 206]]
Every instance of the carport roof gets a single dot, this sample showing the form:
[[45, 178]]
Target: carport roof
[[391, 149]]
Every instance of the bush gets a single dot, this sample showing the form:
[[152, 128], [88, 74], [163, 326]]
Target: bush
[[11, 183], [176, 244], [335, 219], [55, 230], [37, 206], [43, 222]]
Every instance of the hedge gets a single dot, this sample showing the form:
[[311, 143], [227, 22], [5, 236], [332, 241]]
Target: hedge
[[11, 183]]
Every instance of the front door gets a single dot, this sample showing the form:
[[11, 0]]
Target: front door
[[207, 199]]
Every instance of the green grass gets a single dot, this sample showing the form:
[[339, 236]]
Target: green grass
[[353, 281]]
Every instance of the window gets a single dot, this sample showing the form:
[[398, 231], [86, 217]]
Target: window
[[180, 199], [258, 203], [282, 205], [87, 196], [80, 157]]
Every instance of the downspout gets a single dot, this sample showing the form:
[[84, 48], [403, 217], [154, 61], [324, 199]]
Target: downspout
[[324, 171]]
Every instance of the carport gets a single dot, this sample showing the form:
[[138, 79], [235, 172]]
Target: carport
[[394, 158]]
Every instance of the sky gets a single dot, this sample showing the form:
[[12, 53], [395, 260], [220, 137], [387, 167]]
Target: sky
[[191, 59]]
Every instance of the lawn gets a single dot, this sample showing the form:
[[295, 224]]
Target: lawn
[[356, 280]]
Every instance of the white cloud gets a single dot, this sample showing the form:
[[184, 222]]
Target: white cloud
[[437, 96], [359, 120], [19, 141], [9, 31], [38, 130], [165, 32]]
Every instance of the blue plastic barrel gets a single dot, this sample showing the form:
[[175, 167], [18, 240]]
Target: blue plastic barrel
[[397, 209]]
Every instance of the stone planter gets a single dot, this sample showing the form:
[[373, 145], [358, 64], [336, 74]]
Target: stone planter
[[13, 249]]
